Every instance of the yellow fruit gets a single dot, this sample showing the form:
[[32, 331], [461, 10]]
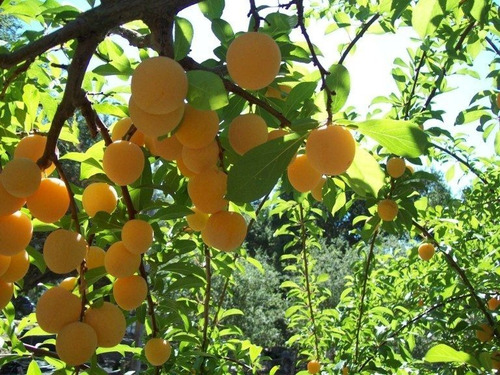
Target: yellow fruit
[[4, 264], [21, 177], [387, 209], [197, 220], [50, 202], [33, 147], [302, 175], [396, 167], [224, 231], [313, 367], [345, 370], [276, 133], [120, 262], [410, 168], [108, 323], [64, 250], [20, 224], [198, 159], [253, 60], [317, 191], [207, 190], [484, 333], [330, 149], [246, 132], [155, 125], [9, 203], [95, 257], [198, 128], [278, 93], [185, 171], [6, 292], [18, 267], [157, 351], [137, 236], [76, 343], [123, 162], [493, 303], [159, 85], [426, 251], [121, 128], [69, 283], [168, 148], [495, 357], [129, 292], [99, 196], [57, 308]]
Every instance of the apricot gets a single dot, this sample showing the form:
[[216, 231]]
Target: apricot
[[33, 147], [485, 332], [302, 175], [330, 149], [108, 323], [4, 264], [121, 128], [198, 159], [21, 177], [119, 262], [313, 367], [69, 283], [6, 293], [426, 251], [197, 220], [396, 167], [130, 292], [317, 191], [198, 128], [76, 343], [253, 60], [64, 250], [95, 257], [207, 190], [123, 162], [154, 125], [493, 303], [18, 267], [50, 202], [168, 148], [9, 203], [137, 236], [224, 231], [246, 132], [56, 308], [278, 93], [157, 351], [276, 133], [15, 233], [99, 196], [387, 209], [159, 85], [185, 171]]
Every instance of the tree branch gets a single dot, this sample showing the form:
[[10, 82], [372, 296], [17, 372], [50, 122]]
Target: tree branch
[[414, 86], [206, 300], [358, 36]]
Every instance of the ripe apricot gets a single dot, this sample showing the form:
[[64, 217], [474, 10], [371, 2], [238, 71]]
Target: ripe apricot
[[185, 171], [197, 220], [207, 190], [253, 60], [69, 283], [330, 149], [224, 231], [484, 333], [154, 125], [168, 148], [130, 292], [121, 128], [99, 196], [198, 128], [9, 203], [313, 367], [198, 159], [18, 267], [19, 224], [426, 251], [56, 308], [278, 93], [21, 177], [137, 236], [108, 323], [157, 351], [302, 175], [76, 343], [4, 264], [276, 133], [95, 257], [317, 191], [396, 167], [50, 202], [123, 162], [246, 132], [387, 209], [6, 292], [64, 250], [493, 303], [159, 85], [33, 147], [119, 262]]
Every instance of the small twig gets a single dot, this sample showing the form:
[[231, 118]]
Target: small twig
[[39, 352], [255, 15], [358, 36], [149, 298], [72, 204], [493, 46], [206, 300], [246, 367], [21, 69], [414, 86]]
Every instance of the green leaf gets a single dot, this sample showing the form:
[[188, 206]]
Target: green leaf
[[426, 17], [402, 138], [183, 37], [141, 191], [365, 174], [255, 173], [33, 369], [478, 9], [37, 258], [497, 143], [445, 353], [223, 31], [298, 95], [212, 8], [338, 82], [206, 91]]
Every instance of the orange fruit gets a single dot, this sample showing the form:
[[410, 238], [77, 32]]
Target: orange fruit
[[224, 231], [9, 203], [64, 250], [95, 257], [185, 171], [197, 220], [313, 367], [396, 167], [317, 191], [246, 132], [157, 351], [76, 343], [50, 314], [426, 251], [6, 293], [168, 148], [50, 202], [99, 196], [108, 323], [18, 267], [493, 303], [198, 128], [387, 209], [33, 147], [137, 236], [278, 93], [484, 333], [302, 175], [198, 159], [207, 190], [21, 177], [130, 292], [4, 264], [69, 283], [20, 224], [121, 128], [123, 162], [276, 133], [119, 262]]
